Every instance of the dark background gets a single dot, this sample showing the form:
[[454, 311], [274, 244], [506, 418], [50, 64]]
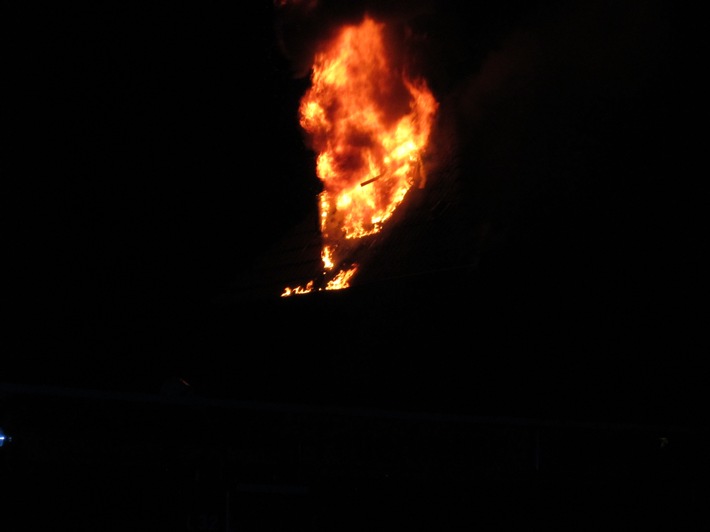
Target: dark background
[[158, 154], [155, 154]]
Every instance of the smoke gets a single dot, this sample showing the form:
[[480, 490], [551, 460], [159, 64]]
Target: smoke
[[536, 98], [546, 105]]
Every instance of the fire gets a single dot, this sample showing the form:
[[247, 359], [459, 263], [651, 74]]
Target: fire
[[369, 124]]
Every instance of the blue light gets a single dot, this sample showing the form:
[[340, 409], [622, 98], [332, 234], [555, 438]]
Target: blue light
[[3, 438]]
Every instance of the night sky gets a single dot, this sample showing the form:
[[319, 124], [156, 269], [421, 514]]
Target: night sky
[[159, 154]]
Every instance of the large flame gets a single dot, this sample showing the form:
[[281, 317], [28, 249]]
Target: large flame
[[369, 124]]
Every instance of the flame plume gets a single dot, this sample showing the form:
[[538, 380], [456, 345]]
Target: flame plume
[[369, 123]]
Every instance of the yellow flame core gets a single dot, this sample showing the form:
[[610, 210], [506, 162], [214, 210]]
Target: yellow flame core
[[369, 124]]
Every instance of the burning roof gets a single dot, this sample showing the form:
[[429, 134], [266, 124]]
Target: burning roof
[[438, 137]]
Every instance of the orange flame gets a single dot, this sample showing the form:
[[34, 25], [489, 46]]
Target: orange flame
[[369, 124]]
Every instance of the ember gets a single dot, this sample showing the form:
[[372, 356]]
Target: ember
[[369, 124]]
